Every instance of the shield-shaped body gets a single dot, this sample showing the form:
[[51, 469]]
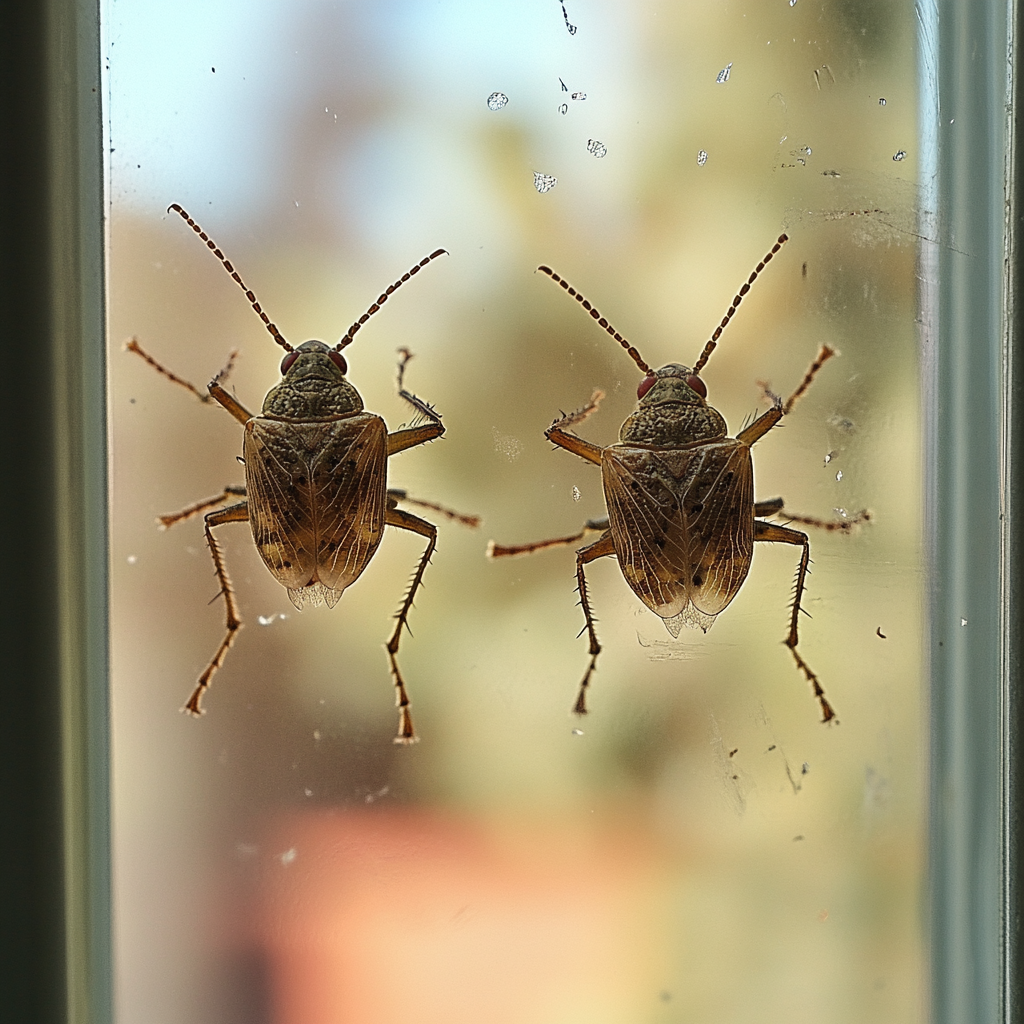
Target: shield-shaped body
[[317, 499], [682, 521]]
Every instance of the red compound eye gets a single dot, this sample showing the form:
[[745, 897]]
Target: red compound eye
[[696, 384], [645, 385], [286, 363], [339, 361]]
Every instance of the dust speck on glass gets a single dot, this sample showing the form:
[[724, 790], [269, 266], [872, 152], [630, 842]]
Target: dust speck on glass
[[723, 75], [544, 182], [702, 158]]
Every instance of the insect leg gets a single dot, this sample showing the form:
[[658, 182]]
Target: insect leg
[[399, 440], [229, 402], [396, 495], [173, 518], [601, 547], [407, 521], [501, 551], [235, 514], [558, 432], [767, 420], [783, 534], [761, 425], [132, 345], [832, 525], [825, 353], [768, 507]]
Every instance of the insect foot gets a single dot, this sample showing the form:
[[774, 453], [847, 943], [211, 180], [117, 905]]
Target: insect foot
[[315, 495], [682, 520]]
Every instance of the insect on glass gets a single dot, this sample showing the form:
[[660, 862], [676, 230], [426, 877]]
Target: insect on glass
[[682, 520], [315, 493]]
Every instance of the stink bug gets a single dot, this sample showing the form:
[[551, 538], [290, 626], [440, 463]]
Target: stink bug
[[682, 520], [315, 494]]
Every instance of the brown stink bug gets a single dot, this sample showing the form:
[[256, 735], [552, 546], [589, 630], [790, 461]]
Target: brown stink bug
[[315, 494], [682, 520]]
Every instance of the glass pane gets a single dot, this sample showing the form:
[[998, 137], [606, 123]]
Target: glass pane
[[699, 846]]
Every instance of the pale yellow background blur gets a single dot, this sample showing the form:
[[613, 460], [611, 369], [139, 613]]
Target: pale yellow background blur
[[704, 850]]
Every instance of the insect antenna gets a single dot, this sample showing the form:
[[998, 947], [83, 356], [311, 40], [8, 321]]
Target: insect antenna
[[212, 246], [383, 297], [710, 346], [630, 350]]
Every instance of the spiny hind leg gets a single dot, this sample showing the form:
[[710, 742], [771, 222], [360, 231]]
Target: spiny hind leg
[[235, 514], [601, 547], [506, 551], [407, 521], [784, 535]]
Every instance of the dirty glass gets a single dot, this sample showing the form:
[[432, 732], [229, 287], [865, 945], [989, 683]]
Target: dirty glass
[[699, 847]]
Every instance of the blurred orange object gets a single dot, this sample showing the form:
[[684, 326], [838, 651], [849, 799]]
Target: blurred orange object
[[397, 915]]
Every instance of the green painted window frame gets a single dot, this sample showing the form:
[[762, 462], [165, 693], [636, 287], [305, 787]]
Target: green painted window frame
[[55, 962]]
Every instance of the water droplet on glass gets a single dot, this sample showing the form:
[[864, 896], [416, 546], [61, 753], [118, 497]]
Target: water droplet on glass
[[899, 155], [805, 768], [963, 622], [807, 150], [577, 732], [599, 149], [702, 158], [265, 620], [579, 95], [575, 494], [792, 3], [132, 559], [496, 101], [564, 108], [288, 856], [296, 202], [828, 457], [723, 75], [839, 475], [544, 182], [881, 101]]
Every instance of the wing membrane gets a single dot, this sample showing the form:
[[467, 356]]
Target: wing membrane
[[683, 525], [316, 500]]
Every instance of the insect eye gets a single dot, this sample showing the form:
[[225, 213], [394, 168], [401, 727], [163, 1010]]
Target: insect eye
[[339, 361], [286, 363], [645, 385], [694, 383]]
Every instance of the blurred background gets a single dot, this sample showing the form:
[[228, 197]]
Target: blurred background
[[698, 848]]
